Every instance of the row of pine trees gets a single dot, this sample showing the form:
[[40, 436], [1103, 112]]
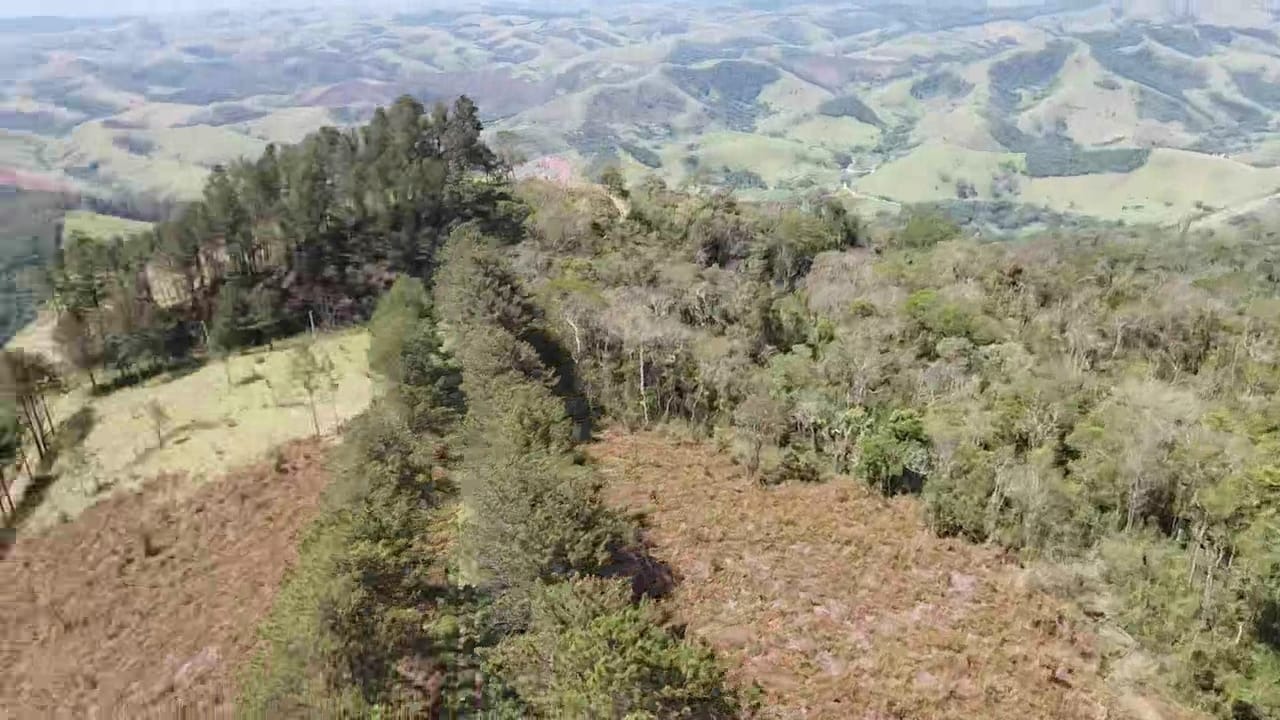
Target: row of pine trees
[[306, 235]]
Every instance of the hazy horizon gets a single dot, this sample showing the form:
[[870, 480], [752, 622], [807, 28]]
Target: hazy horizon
[[92, 8], [111, 8]]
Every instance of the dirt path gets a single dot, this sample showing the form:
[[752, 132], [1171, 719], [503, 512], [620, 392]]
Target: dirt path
[[149, 602], [841, 604]]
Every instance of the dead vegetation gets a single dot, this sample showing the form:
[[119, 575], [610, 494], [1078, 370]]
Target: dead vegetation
[[149, 602], [840, 603]]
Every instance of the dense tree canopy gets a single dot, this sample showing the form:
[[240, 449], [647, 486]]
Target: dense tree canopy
[[1097, 402], [306, 234]]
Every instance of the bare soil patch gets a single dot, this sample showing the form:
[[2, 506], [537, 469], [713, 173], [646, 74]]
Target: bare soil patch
[[148, 603], [842, 604]]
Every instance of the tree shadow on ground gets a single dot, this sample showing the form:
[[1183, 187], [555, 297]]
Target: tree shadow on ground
[[649, 576], [32, 498], [73, 431], [172, 371], [70, 434], [175, 436]]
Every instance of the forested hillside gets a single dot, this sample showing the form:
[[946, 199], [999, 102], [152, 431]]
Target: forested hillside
[[1102, 405]]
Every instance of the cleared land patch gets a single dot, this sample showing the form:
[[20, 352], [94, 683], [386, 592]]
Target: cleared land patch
[[834, 133], [101, 226], [212, 425], [289, 125], [147, 604], [790, 94], [932, 170], [776, 160], [1204, 184], [841, 604]]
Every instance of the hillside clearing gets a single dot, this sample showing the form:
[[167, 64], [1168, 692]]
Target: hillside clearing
[[211, 427], [841, 604], [931, 171], [37, 337], [289, 125], [1203, 184], [103, 227], [776, 160], [147, 604], [832, 133]]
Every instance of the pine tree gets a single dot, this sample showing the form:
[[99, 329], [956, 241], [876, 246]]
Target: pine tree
[[80, 343], [395, 318], [229, 219], [228, 328], [591, 652], [25, 377], [462, 146]]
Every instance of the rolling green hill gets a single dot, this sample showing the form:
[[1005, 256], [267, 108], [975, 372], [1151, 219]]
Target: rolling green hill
[[896, 101]]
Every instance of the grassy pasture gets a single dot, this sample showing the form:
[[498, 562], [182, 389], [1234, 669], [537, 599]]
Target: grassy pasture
[[222, 415], [101, 226], [774, 159], [930, 172], [1173, 185], [840, 134]]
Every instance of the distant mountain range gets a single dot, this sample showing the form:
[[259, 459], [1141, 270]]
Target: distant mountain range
[[1147, 111], [1232, 12]]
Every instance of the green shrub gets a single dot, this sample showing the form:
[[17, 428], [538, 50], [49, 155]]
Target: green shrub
[[958, 497], [924, 230], [591, 652], [795, 467], [396, 316], [938, 319], [894, 453], [293, 673], [537, 516], [934, 315]]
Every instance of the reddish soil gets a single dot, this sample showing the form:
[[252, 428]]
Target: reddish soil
[[10, 177], [551, 168], [149, 602], [842, 604], [352, 92]]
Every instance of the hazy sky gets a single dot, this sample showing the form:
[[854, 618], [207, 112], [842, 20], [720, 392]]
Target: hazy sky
[[96, 8], [19, 8]]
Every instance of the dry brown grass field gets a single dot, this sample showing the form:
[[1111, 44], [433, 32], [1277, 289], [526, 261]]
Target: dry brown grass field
[[147, 604], [841, 604]]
